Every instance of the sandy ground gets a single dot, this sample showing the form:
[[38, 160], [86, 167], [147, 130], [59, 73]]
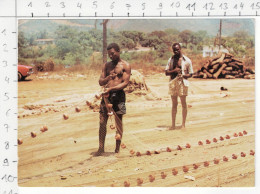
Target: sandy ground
[[63, 156]]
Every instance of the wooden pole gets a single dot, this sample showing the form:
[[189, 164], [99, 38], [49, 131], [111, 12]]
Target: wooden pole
[[105, 41]]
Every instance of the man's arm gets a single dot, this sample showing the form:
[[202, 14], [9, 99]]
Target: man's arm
[[126, 78], [186, 76], [170, 72], [103, 80]]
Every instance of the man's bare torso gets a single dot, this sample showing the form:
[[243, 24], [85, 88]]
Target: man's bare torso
[[117, 70]]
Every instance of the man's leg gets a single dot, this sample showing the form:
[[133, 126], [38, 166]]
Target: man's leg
[[174, 110], [184, 110], [119, 128], [103, 117]]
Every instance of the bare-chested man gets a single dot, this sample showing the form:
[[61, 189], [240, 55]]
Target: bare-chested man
[[114, 77], [179, 68]]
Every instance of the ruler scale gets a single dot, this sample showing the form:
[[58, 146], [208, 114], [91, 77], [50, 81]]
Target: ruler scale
[[12, 10]]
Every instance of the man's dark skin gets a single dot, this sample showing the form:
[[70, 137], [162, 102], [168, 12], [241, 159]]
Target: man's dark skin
[[178, 57], [115, 76]]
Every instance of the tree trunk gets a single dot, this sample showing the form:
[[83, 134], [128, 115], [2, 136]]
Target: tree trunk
[[105, 41]]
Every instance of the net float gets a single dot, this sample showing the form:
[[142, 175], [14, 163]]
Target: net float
[[215, 140], [42, 129], [243, 154], [157, 152], [163, 175], [138, 154], [235, 135], [195, 166], [208, 141], [88, 103], [112, 127], [174, 171], [140, 181], [148, 153], [77, 109], [244, 132], [168, 149], [106, 95], [110, 114], [65, 116], [188, 145], [234, 156], [185, 169], [132, 152], [109, 105], [252, 152], [221, 138], [45, 128], [179, 147], [127, 184], [123, 146], [19, 141], [200, 143], [151, 178], [117, 136], [98, 96], [216, 161], [206, 163], [225, 158], [33, 134], [227, 137], [240, 134]]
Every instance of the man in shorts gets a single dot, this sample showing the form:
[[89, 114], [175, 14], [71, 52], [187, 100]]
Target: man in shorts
[[114, 77], [179, 68]]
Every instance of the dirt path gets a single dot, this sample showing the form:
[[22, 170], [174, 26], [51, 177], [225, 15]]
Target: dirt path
[[63, 156]]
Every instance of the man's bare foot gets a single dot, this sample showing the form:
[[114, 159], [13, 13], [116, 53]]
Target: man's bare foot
[[99, 152], [172, 128], [183, 127]]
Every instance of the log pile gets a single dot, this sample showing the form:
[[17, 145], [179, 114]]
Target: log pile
[[224, 65]]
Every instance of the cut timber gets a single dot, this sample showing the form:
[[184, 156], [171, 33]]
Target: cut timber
[[215, 75], [237, 60], [228, 68], [216, 66], [208, 74], [211, 71], [205, 76], [220, 60], [229, 77], [217, 56]]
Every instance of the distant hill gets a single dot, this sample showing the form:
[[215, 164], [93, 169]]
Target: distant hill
[[145, 25]]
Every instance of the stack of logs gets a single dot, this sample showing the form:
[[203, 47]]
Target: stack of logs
[[224, 65]]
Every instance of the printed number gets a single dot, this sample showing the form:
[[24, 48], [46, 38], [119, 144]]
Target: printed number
[[255, 5], [5, 48], [95, 6], [62, 4], [160, 6], [7, 97], [128, 6], [112, 6], [241, 6], [223, 6], [7, 112], [30, 4], [143, 6], [7, 79], [6, 163], [9, 178], [6, 126], [177, 4], [47, 4], [209, 6], [79, 5], [4, 32], [6, 145], [10, 192], [191, 7], [5, 63]]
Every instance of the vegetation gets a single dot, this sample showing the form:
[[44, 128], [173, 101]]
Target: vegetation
[[80, 47]]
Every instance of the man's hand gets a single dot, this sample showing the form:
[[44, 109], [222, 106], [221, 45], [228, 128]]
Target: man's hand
[[106, 92]]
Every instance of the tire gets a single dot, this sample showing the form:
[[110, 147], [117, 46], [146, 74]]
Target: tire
[[20, 77]]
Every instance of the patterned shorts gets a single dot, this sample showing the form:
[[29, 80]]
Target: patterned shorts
[[177, 87]]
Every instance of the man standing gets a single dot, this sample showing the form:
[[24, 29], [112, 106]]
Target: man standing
[[114, 77], [179, 68]]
